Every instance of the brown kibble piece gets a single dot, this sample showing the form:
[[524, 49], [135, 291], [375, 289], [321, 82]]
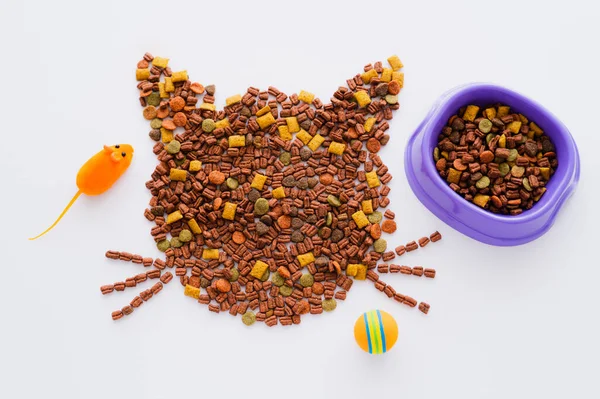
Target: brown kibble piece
[[424, 307]]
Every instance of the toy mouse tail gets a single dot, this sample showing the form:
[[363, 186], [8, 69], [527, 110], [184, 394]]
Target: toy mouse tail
[[61, 215]]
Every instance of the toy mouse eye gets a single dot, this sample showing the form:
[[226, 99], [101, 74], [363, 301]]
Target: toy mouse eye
[[117, 146], [123, 154]]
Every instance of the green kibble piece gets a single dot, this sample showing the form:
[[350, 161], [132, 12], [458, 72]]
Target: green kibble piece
[[391, 99], [329, 304], [173, 147], [277, 280], [485, 126], [249, 318], [329, 219], [153, 99], [517, 171], [483, 182], [436, 154], [261, 206], [175, 243], [265, 276], [163, 245], [333, 200], [208, 125], [185, 235], [285, 290], [204, 283], [380, 245], [232, 183], [504, 168], [235, 274], [285, 158], [307, 280], [526, 184], [489, 137], [375, 217], [156, 123], [512, 156]]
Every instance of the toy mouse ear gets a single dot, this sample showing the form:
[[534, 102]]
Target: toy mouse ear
[[107, 149], [115, 157]]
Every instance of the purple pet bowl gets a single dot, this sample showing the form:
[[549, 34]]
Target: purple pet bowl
[[466, 217]]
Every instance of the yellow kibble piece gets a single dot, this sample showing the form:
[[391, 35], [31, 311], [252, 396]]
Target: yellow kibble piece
[[259, 181], [210, 253], [292, 124], [316, 142], [278, 193], [360, 219], [194, 226], [265, 121], [490, 113], [191, 291], [361, 272], [177, 175], [208, 106], [369, 124], [229, 211], [362, 98], [160, 62], [174, 216], [161, 90], [304, 136], [352, 269], [386, 75], [336, 148], [502, 111], [536, 129], [545, 172], [471, 113], [259, 269], [233, 99], [523, 119], [237, 141], [180, 76], [514, 126], [166, 135], [481, 200], [395, 62], [453, 176], [367, 206], [223, 123], [284, 132], [306, 97], [502, 141], [142, 74], [398, 77], [370, 74], [372, 179], [306, 258], [263, 111], [195, 166], [169, 86]]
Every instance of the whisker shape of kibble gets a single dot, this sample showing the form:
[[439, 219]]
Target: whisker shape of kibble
[[271, 207]]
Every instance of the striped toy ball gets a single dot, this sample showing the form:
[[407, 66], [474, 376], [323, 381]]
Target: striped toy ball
[[376, 332]]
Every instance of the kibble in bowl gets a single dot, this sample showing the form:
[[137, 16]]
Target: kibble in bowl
[[471, 195]]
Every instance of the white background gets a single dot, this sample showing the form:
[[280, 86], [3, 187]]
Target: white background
[[505, 322]]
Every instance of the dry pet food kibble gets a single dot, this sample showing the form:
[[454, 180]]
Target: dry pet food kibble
[[269, 207], [495, 158]]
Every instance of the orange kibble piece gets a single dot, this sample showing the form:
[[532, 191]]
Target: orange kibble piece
[[197, 88], [389, 226], [177, 103], [394, 87], [217, 203], [179, 119], [149, 112], [163, 111], [326, 179], [284, 272], [238, 237], [373, 145], [168, 124], [375, 232], [284, 221], [216, 177], [223, 285]]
